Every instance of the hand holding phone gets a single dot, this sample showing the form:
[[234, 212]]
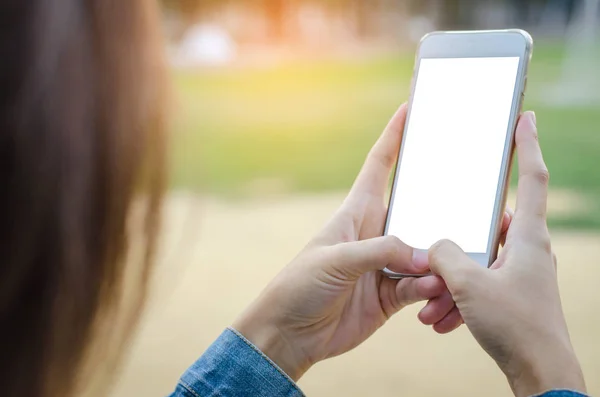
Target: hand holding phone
[[456, 153], [514, 309], [333, 296]]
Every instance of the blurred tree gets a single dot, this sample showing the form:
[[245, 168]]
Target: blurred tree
[[451, 15], [190, 10], [276, 11], [362, 20], [578, 84], [185, 7], [365, 16], [448, 14]]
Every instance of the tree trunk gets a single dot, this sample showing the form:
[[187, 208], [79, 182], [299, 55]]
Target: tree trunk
[[276, 14], [365, 12], [451, 14]]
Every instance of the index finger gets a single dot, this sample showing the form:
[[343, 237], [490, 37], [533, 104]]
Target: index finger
[[532, 193]]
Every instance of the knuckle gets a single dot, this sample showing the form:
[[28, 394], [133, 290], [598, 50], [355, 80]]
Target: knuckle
[[391, 245], [387, 159], [545, 243], [439, 248], [381, 157], [542, 176], [538, 237]]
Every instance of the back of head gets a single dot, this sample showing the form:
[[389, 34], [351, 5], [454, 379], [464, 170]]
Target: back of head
[[80, 139]]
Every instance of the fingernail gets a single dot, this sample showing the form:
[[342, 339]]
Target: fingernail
[[532, 117], [420, 260]]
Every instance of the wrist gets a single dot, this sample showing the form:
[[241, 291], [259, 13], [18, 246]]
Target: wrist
[[264, 334], [557, 368]]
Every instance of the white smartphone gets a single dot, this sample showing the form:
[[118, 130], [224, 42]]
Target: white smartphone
[[455, 158]]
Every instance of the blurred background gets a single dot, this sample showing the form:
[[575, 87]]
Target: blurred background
[[276, 104]]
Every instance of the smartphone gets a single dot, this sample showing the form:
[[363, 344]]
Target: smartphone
[[455, 158]]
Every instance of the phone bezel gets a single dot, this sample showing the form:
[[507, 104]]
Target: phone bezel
[[476, 44]]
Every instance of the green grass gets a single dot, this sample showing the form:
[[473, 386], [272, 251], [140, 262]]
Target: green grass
[[311, 124]]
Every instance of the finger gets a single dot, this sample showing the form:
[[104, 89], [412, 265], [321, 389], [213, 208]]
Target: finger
[[374, 175], [436, 309], [532, 192], [413, 290], [357, 258], [456, 268], [449, 323], [506, 221]]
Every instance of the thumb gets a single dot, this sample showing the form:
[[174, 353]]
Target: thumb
[[357, 258], [447, 260], [374, 176]]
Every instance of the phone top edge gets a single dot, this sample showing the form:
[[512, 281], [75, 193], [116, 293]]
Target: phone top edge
[[475, 43], [522, 32]]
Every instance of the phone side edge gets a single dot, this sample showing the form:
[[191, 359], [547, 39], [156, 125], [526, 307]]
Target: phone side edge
[[504, 182]]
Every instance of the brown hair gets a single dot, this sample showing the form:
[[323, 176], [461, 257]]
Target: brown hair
[[80, 138]]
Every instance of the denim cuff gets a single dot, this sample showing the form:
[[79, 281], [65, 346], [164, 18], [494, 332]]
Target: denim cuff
[[561, 393], [233, 366]]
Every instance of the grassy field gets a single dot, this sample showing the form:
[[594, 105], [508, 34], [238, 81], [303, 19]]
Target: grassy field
[[306, 127]]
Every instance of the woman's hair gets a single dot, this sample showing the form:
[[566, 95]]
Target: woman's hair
[[81, 145]]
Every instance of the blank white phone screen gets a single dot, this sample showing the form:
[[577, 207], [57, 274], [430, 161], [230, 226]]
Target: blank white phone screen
[[452, 155]]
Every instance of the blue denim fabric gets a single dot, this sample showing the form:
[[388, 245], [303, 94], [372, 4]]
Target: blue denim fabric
[[232, 366], [562, 393]]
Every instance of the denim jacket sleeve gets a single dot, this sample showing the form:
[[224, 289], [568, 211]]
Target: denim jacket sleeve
[[562, 393], [233, 366]]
